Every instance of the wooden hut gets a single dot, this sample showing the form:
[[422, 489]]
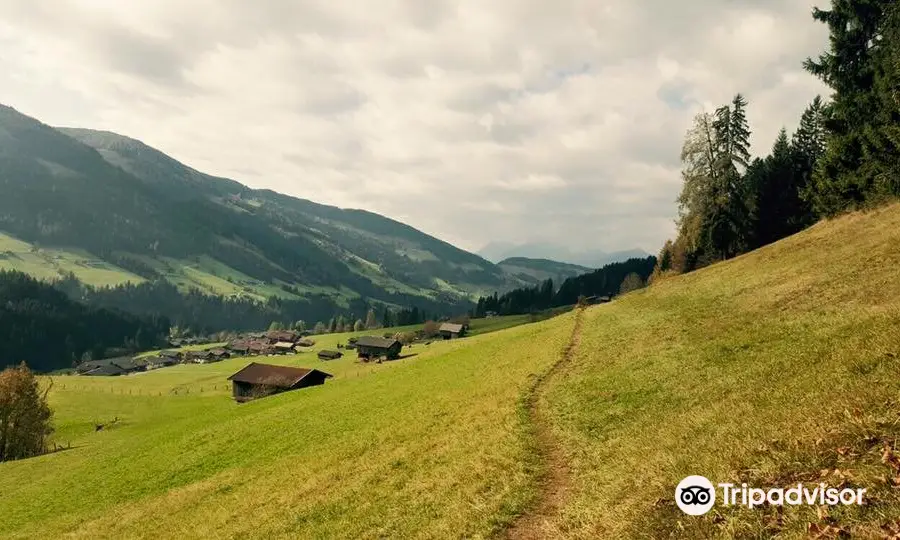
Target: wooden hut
[[326, 354], [452, 331], [260, 380], [375, 347]]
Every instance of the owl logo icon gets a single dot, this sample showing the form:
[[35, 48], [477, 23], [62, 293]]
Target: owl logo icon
[[695, 495]]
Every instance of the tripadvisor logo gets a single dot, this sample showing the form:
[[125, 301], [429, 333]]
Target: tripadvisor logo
[[695, 495]]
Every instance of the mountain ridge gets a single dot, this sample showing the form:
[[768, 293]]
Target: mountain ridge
[[121, 203], [497, 252]]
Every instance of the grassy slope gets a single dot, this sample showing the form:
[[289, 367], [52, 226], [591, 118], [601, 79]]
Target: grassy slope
[[757, 369], [50, 263], [427, 446]]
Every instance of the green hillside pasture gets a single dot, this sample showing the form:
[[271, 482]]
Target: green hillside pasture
[[769, 369], [493, 324], [51, 263], [428, 446]]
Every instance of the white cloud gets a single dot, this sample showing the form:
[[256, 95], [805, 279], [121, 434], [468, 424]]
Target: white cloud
[[509, 120]]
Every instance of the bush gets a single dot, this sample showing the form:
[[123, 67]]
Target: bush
[[24, 415], [431, 329]]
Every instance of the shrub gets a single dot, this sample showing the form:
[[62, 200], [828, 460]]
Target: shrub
[[431, 329], [24, 414]]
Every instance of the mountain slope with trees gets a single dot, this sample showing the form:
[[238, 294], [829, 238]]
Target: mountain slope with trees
[[132, 207], [41, 326], [844, 155], [537, 270]]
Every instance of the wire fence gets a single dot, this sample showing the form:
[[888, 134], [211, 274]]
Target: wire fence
[[138, 391]]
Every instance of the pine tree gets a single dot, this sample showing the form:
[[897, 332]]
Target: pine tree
[[862, 116]]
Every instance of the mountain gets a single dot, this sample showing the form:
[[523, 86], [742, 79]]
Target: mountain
[[594, 258], [112, 210], [535, 271]]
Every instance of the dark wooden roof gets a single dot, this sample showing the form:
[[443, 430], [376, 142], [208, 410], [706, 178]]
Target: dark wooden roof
[[376, 342], [269, 375], [325, 353]]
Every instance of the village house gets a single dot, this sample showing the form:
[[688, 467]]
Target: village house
[[260, 348], [110, 367], [283, 347], [260, 380], [239, 347], [368, 347], [452, 331], [275, 336], [161, 361]]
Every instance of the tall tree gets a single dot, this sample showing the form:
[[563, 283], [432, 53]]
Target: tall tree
[[371, 321], [24, 414], [860, 163]]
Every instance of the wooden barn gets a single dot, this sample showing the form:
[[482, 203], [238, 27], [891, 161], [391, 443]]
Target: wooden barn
[[452, 331], [376, 347], [326, 354], [261, 380], [283, 347]]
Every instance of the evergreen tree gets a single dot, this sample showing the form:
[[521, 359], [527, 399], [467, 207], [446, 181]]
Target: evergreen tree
[[859, 164]]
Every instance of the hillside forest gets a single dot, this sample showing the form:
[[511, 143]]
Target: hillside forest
[[842, 156]]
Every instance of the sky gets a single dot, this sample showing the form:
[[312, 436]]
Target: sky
[[510, 120]]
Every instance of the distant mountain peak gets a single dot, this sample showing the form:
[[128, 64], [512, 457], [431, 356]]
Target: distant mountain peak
[[498, 252]]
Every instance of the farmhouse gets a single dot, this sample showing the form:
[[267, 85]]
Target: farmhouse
[[161, 361], [284, 347], [109, 367], [260, 380], [452, 331], [274, 336], [260, 348], [239, 347], [376, 347], [326, 354], [172, 355]]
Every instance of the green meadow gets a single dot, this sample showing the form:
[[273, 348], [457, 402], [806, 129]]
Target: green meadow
[[52, 263], [779, 366]]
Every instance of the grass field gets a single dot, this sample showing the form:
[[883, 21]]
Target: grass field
[[768, 369], [776, 367], [50, 264]]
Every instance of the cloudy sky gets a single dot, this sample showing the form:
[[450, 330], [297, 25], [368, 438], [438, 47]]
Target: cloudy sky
[[508, 120]]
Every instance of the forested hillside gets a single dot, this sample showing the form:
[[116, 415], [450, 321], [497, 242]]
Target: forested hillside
[[610, 280], [41, 326], [100, 200], [843, 155], [538, 270]]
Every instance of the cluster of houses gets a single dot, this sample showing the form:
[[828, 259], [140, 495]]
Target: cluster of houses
[[269, 343], [274, 342]]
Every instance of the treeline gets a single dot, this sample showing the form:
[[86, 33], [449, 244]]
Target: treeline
[[44, 328], [389, 318], [607, 281], [206, 314], [843, 156]]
